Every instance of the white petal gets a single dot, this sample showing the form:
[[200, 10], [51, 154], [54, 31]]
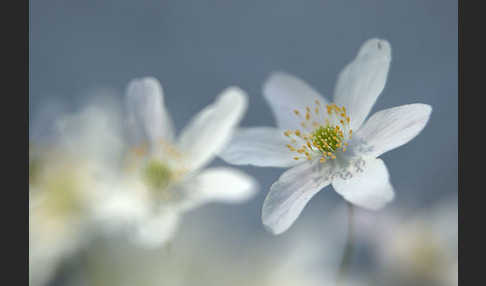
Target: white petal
[[290, 194], [361, 82], [145, 103], [219, 185], [285, 93], [259, 146], [393, 127], [120, 210], [370, 189], [212, 127], [158, 230]]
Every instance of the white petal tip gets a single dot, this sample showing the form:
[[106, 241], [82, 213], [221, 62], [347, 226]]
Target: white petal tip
[[269, 222], [236, 95], [276, 75], [142, 87], [225, 185], [156, 231], [274, 222], [370, 189], [276, 78], [427, 111], [234, 91], [144, 82], [271, 225], [427, 108], [375, 47], [379, 204], [423, 110], [273, 230], [247, 188]]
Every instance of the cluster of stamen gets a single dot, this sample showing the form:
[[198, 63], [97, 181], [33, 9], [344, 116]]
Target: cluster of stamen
[[157, 171], [323, 133]]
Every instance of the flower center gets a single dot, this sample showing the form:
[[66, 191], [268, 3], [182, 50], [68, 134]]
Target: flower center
[[323, 134], [157, 175], [160, 166]]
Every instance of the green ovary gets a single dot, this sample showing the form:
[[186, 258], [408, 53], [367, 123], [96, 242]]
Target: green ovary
[[327, 139], [157, 175]]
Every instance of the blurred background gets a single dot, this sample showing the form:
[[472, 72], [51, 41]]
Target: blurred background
[[198, 48]]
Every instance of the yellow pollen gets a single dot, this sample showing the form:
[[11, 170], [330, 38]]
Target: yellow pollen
[[326, 138]]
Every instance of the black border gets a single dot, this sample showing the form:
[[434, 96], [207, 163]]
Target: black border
[[460, 198], [15, 137]]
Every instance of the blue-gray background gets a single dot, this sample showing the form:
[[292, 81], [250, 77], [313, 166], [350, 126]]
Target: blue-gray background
[[197, 48]]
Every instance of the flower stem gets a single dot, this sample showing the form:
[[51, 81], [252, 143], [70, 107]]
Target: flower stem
[[348, 250]]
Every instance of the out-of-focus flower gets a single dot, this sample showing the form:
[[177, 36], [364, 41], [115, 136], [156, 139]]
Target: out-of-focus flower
[[329, 143], [65, 185], [417, 250], [198, 256], [165, 176]]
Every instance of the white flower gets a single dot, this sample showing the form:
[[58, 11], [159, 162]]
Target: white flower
[[328, 143], [415, 249], [165, 175], [202, 256], [65, 186]]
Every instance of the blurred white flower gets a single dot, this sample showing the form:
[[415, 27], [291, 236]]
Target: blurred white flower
[[165, 176], [202, 257], [417, 250], [65, 185], [327, 143]]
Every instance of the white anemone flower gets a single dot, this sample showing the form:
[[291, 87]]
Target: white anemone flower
[[166, 176], [202, 257], [328, 143], [414, 249], [65, 183]]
